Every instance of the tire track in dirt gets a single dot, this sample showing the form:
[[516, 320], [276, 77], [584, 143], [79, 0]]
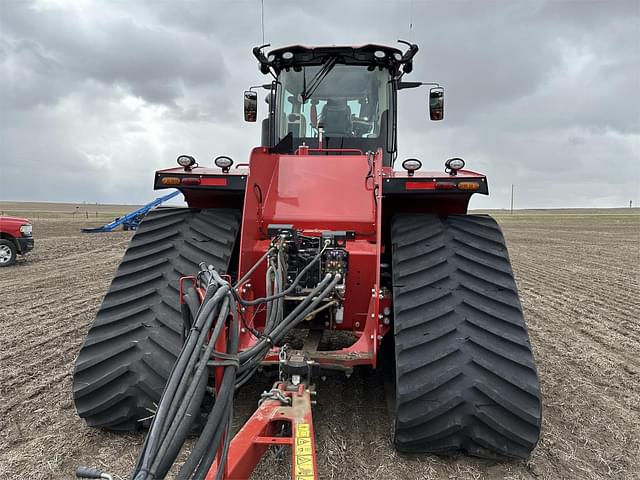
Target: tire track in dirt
[[576, 302], [43, 315], [64, 264], [21, 378], [602, 290], [589, 322], [46, 327], [587, 424]]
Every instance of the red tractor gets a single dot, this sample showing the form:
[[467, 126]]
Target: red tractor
[[317, 236]]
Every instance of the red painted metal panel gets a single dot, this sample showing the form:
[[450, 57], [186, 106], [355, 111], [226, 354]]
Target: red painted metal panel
[[325, 192], [314, 193], [359, 282]]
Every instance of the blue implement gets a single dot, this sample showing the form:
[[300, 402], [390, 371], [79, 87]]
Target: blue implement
[[131, 220]]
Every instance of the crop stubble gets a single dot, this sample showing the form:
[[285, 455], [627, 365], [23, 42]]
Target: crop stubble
[[578, 274]]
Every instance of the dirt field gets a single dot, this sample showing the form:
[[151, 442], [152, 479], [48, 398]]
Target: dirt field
[[579, 278]]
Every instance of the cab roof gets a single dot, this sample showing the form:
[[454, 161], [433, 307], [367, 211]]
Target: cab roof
[[301, 55]]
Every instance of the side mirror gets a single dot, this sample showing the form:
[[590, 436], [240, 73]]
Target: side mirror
[[436, 103], [250, 106]]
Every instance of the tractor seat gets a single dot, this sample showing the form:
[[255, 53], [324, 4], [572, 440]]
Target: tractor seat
[[336, 119]]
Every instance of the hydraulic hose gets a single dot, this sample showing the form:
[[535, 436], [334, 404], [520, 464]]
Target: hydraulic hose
[[196, 389], [189, 354], [268, 340], [183, 395], [294, 318], [177, 379], [294, 283], [213, 427], [260, 349], [255, 266], [210, 454], [170, 448]]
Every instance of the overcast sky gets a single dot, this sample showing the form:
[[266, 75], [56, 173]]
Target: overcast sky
[[97, 95]]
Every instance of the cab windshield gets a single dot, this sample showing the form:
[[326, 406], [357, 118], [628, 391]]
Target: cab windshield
[[350, 104]]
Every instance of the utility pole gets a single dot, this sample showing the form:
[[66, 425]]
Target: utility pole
[[512, 199]]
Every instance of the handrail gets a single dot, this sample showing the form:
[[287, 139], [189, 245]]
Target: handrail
[[305, 150]]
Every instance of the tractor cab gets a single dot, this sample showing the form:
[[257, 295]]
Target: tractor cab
[[332, 98]]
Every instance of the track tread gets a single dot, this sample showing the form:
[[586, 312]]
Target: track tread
[[134, 340], [466, 380]]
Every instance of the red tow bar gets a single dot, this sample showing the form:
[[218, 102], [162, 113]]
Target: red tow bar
[[265, 428]]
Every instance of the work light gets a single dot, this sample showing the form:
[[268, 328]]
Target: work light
[[452, 165], [411, 165], [223, 162], [186, 161]]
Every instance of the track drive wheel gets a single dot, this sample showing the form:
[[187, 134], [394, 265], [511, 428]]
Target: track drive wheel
[[465, 377]]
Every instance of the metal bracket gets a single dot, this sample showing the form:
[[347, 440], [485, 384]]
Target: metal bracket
[[265, 429]]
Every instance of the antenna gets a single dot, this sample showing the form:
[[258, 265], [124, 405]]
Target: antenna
[[262, 18], [410, 21]]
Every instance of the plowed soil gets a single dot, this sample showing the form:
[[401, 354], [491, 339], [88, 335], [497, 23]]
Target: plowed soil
[[579, 279]]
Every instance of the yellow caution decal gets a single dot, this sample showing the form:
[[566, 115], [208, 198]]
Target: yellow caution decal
[[305, 469]]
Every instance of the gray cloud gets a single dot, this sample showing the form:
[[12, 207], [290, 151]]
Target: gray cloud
[[67, 48], [98, 94]]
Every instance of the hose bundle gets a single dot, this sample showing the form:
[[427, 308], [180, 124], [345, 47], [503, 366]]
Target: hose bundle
[[184, 392]]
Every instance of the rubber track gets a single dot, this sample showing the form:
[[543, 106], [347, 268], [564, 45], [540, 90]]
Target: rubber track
[[466, 380], [136, 336]]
